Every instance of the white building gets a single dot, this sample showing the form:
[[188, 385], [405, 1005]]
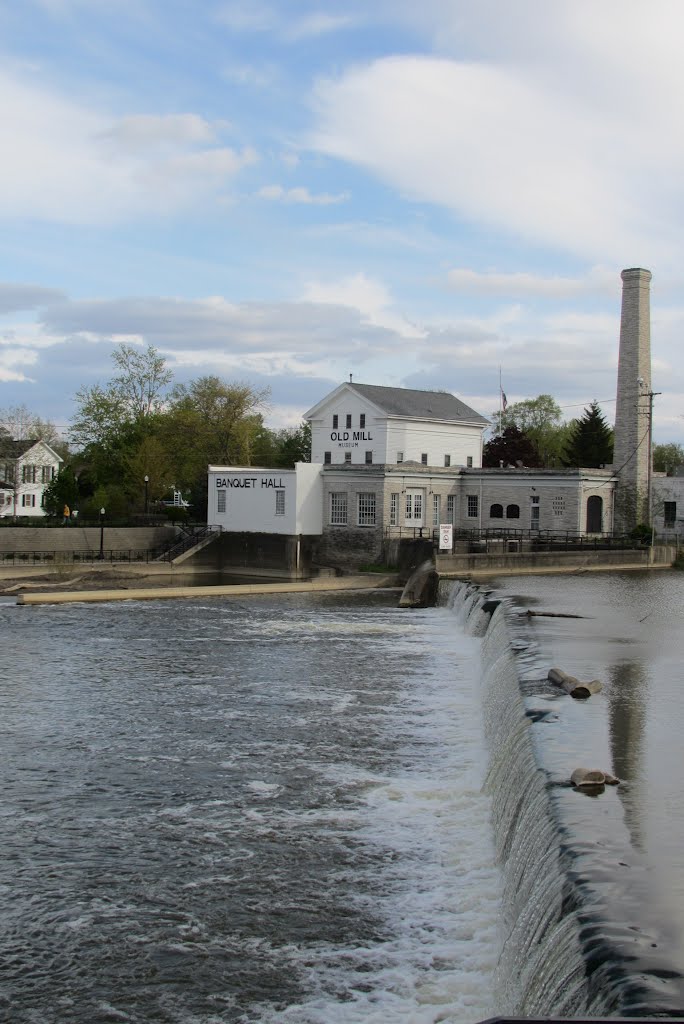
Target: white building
[[281, 501], [667, 503], [364, 424], [26, 469]]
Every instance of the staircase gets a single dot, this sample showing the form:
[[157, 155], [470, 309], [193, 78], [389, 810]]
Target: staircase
[[188, 546]]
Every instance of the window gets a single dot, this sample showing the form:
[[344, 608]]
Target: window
[[473, 506], [435, 509], [28, 500], [394, 509], [336, 421], [558, 506], [447, 460], [469, 462], [47, 473], [362, 420], [28, 474], [366, 509], [327, 458], [369, 458], [348, 421], [512, 511], [400, 456], [221, 501], [280, 503], [534, 512], [347, 457], [338, 508], [423, 458], [669, 513], [496, 512], [451, 508]]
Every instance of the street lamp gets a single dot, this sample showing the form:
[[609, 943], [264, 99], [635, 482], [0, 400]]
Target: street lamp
[[147, 480], [102, 515]]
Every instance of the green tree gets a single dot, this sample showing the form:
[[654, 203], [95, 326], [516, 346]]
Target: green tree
[[511, 447], [590, 444], [133, 396], [666, 457], [61, 491], [540, 419]]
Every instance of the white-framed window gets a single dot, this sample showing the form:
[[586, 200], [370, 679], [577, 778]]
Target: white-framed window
[[469, 462], [394, 509], [447, 460], [28, 474], [400, 456], [366, 515], [280, 503], [221, 501], [28, 501], [423, 459], [473, 506], [47, 473], [327, 458], [347, 457], [451, 508], [534, 512], [558, 505], [338, 508], [369, 458], [336, 421], [436, 503], [362, 420], [349, 419]]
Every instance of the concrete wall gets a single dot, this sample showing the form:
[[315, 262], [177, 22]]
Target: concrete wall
[[550, 560], [255, 551], [85, 539]]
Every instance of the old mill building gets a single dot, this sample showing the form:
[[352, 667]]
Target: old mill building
[[395, 462]]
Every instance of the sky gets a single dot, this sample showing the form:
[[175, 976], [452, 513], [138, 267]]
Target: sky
[[434, 195]]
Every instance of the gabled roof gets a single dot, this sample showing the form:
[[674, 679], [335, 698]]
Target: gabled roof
[[425, 405], [11, 449]]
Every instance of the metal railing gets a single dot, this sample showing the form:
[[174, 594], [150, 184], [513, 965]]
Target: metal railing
[[23, 559], [529, 540]]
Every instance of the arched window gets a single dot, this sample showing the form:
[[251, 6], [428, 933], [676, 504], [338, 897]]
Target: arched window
[[512, 511], [496, 512]]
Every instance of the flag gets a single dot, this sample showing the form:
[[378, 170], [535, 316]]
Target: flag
[[504, 403]]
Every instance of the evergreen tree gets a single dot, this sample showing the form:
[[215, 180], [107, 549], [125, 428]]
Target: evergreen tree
[[591, 442]]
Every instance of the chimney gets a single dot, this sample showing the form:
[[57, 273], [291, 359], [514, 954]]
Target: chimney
[[631, 453]]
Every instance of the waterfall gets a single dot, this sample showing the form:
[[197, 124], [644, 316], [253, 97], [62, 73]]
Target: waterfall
[[560, 953]]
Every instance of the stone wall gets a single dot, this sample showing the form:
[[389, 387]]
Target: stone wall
[[85, 538]]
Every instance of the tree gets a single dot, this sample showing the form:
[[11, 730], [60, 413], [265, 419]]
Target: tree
[[591, 442], [540, 419], [293, 444], [61, 491], [22, 425], [133, 396], [666, 457], [511, 447]]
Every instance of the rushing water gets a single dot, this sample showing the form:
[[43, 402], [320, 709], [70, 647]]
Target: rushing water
[[266, 810], [619, 859]]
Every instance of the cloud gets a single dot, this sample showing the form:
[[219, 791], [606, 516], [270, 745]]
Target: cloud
[[318, 24], [369, 297], [510, 142], [598, 281], [78, 165], [277, 193], [257, 17], [16, 297]]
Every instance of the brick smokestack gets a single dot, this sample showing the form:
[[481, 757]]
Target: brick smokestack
[[632, 453]]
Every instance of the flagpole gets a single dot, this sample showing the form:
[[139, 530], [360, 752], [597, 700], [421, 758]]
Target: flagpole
[[500, 394]]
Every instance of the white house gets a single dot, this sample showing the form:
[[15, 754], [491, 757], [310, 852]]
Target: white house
[[26, 469], [365, 424]]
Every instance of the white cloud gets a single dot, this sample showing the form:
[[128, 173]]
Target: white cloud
[[598, 281], [77, 165], [369, 297], [573, 148], [301, 195], [319, 23]]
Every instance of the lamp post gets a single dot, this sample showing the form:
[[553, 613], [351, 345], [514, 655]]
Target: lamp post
[[147, 480], [102, 515]]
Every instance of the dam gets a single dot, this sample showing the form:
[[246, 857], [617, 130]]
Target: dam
[[323, 808]]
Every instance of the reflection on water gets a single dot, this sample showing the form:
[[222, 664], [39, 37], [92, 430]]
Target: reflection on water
[[631, 838], [627, 699]]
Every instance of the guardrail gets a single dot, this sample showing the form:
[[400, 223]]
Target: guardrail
[[63, 558]]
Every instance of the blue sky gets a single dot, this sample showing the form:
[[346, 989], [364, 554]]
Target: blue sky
[[286, 193]]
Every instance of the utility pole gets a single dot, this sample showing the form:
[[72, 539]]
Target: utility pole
[[646, 392]]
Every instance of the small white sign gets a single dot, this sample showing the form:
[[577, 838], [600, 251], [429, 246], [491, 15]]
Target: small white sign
[[446, 537]]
